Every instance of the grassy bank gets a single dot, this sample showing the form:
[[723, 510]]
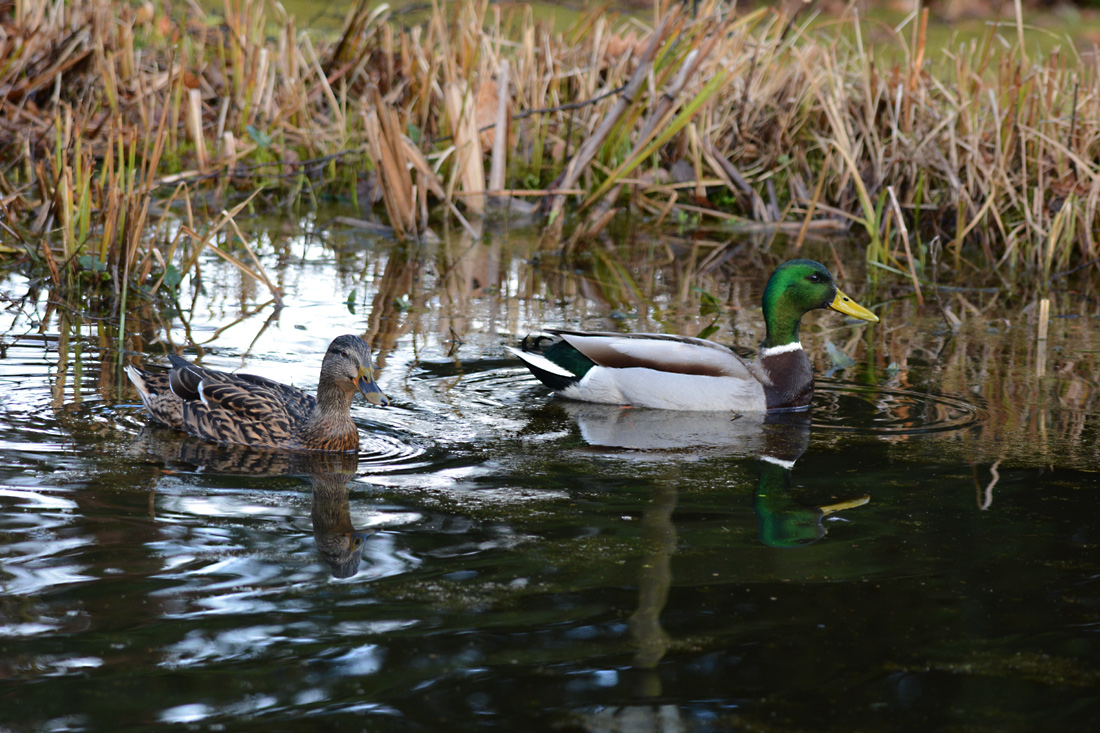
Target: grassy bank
[[982, 162]]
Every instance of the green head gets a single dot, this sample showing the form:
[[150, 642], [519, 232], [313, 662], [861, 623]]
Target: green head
[[797, 287]]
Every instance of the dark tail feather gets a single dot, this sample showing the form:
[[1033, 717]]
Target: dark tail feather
[[555, 382], [553, 361]]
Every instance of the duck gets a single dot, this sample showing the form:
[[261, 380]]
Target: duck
[[248, 410], [683, 373]]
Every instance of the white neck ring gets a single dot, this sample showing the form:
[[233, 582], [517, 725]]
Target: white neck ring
[[776, 350]]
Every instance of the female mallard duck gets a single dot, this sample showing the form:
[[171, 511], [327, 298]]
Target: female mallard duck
[[682, 373], [242, 409]]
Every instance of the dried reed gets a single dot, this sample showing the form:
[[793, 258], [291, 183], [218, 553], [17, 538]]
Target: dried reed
[[761, 118]]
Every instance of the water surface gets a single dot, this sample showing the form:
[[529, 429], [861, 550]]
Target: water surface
[[922, 553]]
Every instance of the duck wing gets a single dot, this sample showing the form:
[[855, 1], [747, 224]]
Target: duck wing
[[238, 408], [185, 379], [643, 370], [234, 412], [296, 401], [661, 352]]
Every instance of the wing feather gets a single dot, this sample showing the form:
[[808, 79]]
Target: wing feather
[[295, 399], [666, 353], [236, 408], [230, 413]]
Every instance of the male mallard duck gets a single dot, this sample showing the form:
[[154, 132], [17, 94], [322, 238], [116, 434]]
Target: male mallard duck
[[682, 373], [242, 409]]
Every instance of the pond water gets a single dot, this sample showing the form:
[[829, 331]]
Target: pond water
[[922, 553]]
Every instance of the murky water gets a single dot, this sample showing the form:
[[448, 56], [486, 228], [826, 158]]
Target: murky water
[[924, 554]]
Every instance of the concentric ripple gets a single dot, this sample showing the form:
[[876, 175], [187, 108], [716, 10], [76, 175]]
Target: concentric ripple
[[382, 451], [838, 405], [857, 408]]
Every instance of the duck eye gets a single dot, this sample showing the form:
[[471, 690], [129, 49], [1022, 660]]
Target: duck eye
[[815, 278]]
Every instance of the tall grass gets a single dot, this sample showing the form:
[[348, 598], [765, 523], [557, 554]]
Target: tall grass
[[981, 162]]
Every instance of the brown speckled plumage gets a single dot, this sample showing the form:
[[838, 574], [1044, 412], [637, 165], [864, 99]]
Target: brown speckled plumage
[[243, 409]]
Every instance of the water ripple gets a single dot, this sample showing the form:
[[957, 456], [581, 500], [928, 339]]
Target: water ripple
[[852, 408], [500, 386], [838, 406], [474, 405], [381, 451]]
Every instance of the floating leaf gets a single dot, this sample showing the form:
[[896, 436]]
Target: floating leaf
[[838, 358], [91, 262], [172, 276]]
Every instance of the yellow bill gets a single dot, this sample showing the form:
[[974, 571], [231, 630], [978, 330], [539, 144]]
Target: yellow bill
[[843, 304], [841, 505]]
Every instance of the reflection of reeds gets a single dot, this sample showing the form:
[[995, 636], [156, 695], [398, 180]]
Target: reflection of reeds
[[757, 117], [987, 359], [992, 359]]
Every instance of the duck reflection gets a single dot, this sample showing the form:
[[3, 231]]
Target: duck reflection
[[641, 429], [187, 453], [654, 580], [777, 439], [338, 541], [782, 520]]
